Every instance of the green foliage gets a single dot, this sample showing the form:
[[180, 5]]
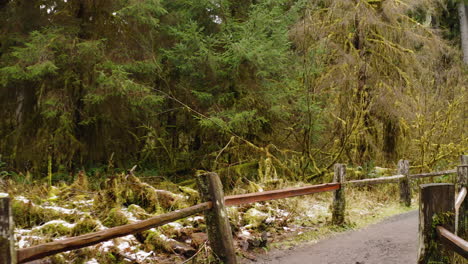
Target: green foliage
[[168, 84]]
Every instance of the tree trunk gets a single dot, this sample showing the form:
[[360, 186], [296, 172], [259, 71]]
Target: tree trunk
[[463, 14]]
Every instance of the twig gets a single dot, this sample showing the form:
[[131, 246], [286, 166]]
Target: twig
[[194, 255]]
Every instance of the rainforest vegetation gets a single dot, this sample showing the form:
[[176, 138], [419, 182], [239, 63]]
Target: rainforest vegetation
[[267, 93], [266, 88]]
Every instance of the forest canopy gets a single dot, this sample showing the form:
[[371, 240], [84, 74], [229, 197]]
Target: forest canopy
[[280, 87]]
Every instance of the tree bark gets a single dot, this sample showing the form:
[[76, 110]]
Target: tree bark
[[463, 15]]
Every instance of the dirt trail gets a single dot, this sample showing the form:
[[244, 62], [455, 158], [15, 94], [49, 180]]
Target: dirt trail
[[393, 241]]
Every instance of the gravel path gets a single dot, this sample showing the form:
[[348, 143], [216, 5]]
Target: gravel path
[[393, 241]]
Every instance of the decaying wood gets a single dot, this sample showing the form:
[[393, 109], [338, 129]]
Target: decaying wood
[[436, 207], [48, 249], [339, 200], [405, 184], [217, 220]]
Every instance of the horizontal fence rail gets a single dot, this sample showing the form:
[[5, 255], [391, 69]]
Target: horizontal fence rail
[[431, 174], [453, 241], [460, 198], [442, 213], [387, 179], [233, 200], [48, 249], [214, 208]]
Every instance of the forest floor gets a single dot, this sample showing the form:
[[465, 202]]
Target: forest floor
[[391, 241]]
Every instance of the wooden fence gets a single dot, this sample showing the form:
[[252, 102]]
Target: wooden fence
[[443, 220], [214, 207]]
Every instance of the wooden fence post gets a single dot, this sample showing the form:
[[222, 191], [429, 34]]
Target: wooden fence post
[[217, 221], [436, 207], [405, 186], [464, 159], [7, 241], [462, 217], [339, 200]]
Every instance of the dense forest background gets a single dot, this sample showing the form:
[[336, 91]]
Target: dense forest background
[[266, 88]]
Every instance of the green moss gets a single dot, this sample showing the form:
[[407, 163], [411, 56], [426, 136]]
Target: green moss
[[254, 218], [194, 196], [154, 241], [29, 215], [138, 212], [115, 217], [85, 225], [53, 229]]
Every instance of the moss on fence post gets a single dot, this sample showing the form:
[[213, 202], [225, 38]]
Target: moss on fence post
[[436, 207], [405, 186], [339, 200], [7, 242], [217, 221], [462, 217]]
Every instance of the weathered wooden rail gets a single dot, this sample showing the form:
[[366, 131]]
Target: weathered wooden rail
[[213, 205]]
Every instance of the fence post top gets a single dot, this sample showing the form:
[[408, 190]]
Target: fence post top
[[429, 185]]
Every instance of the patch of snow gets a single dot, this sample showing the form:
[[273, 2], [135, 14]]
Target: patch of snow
[[175, 225], [142, 255], [26, 241], [93, 260], [129, 215], [165, 238], [245, 232], [59, 222], [22, 199], [105, 246], [63, 210], [270, 219], [22, 231], [124, 246], [85, 202], [195, 218]]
